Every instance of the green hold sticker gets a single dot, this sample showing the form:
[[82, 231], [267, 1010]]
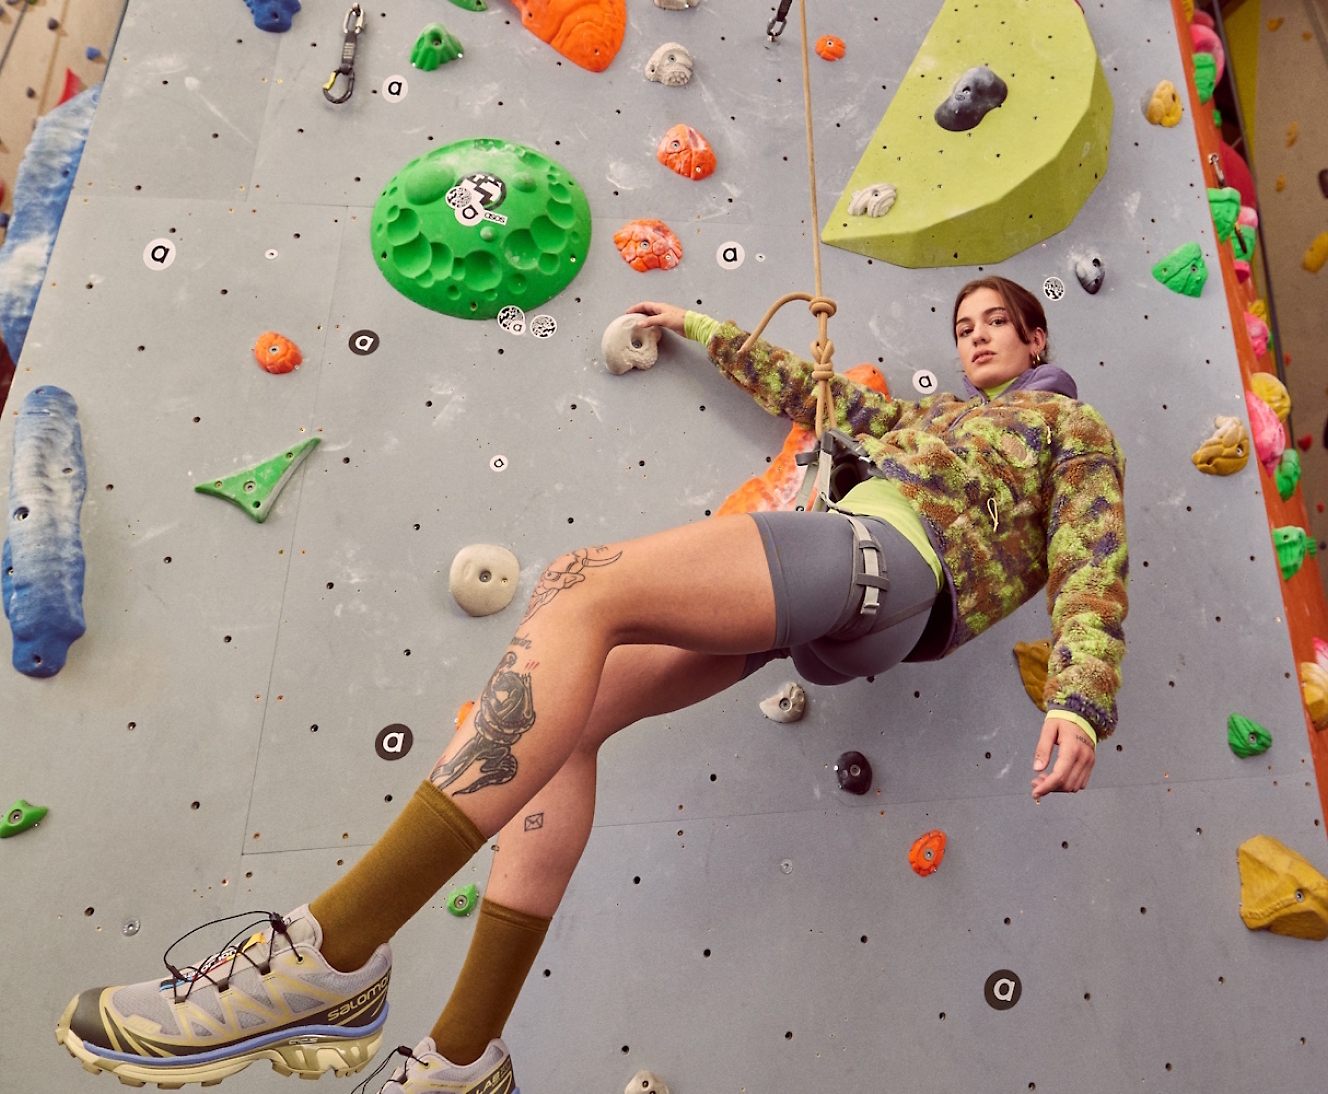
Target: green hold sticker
[[1287, 475], [461, 901], [1183, 270], [1292, 544], [471, 5], [435, 46], [1242, 242], [1205, 76], [481, 224], [1247, 738], [22, 815], [1225, 205], [255, 489]]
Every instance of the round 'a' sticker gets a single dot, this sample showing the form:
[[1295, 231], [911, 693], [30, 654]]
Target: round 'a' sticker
[[491, 189], [730, 255], [159, 254], [1002, 989], [395, 89], [363, 342], [925, 382], [393, 741]]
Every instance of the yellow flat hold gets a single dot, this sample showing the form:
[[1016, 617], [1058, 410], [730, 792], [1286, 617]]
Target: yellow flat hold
[[1280, 891]]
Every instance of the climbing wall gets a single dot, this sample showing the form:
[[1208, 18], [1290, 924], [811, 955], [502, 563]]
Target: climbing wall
[[738, 923]]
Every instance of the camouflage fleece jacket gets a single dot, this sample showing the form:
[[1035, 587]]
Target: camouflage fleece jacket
[[1015, 492]]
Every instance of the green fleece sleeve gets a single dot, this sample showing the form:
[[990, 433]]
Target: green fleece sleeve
[[1087, 575], [700, 328]]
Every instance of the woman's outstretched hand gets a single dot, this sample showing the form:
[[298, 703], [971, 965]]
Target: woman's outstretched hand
[[1074, 758], [668, 316]]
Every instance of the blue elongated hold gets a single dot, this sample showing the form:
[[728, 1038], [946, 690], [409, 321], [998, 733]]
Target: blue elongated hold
[[41, 572], [273, 15]]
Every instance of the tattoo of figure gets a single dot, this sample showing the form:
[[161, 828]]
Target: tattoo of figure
[[506, 711], [555, 580], [534, 822]]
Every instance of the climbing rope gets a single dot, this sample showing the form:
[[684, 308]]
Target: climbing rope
[[820, 305]]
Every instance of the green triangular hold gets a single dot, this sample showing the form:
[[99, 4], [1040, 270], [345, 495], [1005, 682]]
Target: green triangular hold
[[1013, 178], [1225, 204], [1246, 737], [21, 816], [1183, 270], [255, 489], [1287, 474], [1205, 75]]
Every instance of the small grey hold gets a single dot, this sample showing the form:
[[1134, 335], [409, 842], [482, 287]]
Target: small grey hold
[[1090, 273], [978, 92], [646, 1082], [677, 5], [788, 704], [873, 201], [483, 578], [627, 346], [670, 65]]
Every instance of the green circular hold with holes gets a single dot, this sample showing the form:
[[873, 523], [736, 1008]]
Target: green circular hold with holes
[[479, 224], [462, 901]]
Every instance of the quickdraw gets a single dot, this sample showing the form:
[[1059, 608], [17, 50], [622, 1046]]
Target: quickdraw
[[352, 28]]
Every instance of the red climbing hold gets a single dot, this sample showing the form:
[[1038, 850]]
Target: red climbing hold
[[276, 354], [586, 32], [648, 245], [685, 151], [926, 853], [829, 48], [1304, 443], [73, 85]]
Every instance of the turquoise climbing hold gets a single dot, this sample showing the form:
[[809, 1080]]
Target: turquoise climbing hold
[[461, 901], [1225, 206], [1246, 737], [1287, 475], [22, 815], [1183, 271], [1292, 544]]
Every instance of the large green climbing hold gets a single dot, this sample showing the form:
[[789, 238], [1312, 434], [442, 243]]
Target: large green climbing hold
[[471, 5], [21, 816], [1184, 270], [1205, 75], [1287, 475], [982, 194], [1292, 544], [1247, 738], [255, 489], [478, 225], [435, 46], [1242, 242], [1225, 205]]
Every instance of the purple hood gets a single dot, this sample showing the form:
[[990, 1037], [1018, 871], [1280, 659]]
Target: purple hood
[[1042, 378]]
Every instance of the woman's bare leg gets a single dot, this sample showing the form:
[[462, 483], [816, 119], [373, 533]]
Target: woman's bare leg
[[540, 846], [704, 587]]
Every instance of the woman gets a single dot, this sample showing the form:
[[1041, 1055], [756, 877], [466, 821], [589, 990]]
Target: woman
[[967, 506]]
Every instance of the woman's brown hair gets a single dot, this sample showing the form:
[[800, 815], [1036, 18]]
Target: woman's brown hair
[[1022, 306]]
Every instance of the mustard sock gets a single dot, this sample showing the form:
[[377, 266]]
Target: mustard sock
[[502, 950], [430, 840]]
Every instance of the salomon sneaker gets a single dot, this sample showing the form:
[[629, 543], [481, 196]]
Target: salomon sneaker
[[426, 1072], [271, 997]]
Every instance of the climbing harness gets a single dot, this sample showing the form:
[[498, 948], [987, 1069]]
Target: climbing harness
[[352, 27], [775, 27]]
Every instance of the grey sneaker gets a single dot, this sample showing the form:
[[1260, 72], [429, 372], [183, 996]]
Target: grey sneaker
[[271, 997], [426, 1072]]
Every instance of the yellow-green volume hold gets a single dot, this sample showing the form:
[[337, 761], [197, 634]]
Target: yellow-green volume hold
[[255, 489], [481, 224]]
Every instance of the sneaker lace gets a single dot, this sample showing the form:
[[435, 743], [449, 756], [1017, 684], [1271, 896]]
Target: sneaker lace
[[395, 1077], [228, 955]]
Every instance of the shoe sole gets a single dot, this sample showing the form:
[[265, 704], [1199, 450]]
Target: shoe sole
[[307, 1057]]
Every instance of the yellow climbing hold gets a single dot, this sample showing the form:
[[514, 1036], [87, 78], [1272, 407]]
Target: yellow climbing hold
[[1281, 183], [1273, 392], [1227, 450], [1164, 106], [1280, 891], [1293, 134], [1314, 686], [1188, 7], [1032, 658], [1273, 24], [1317, 254], [1259, 308]]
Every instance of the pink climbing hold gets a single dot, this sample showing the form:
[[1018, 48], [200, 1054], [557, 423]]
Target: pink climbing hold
[[1270, 439], [1248, 217], [1242, 270], [1205, 40], [1257, 329]]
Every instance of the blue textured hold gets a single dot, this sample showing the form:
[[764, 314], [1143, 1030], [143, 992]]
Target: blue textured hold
[[41, 568], [273, 15], [92, 53]]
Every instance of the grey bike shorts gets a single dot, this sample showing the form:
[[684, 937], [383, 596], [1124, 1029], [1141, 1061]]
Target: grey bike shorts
[[811, 557]]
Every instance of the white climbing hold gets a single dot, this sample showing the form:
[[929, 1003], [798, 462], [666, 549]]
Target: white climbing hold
[[1090, 273], [670, 65], [483, 578], [647, 1082], [787, 704], [874, 201], [677, 5], [627, 346]]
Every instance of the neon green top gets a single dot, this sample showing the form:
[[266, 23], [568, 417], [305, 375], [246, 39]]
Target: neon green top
[[878, 497]]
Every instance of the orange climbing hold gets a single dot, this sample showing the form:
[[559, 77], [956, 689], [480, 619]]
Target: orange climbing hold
[[586, 32], [464, 709], [829, 48], [777, 487], [648, 245], [685, 151], [926, 853], [277, 354]]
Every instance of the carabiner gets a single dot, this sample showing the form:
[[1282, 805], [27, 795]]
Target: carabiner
[[352, 27], [775, 27]]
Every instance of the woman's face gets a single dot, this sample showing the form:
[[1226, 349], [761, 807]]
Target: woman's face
[[989, 346]]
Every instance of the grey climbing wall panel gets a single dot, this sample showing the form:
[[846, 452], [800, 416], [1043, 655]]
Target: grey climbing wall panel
[[737, 923]]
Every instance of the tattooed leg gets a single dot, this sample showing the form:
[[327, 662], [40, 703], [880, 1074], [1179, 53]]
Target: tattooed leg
[[505, 713]]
